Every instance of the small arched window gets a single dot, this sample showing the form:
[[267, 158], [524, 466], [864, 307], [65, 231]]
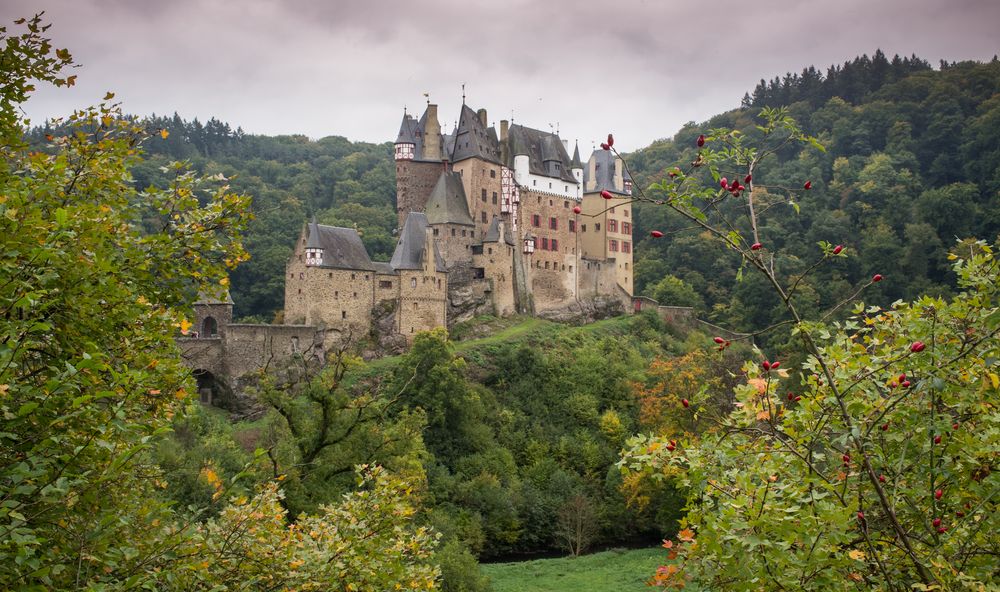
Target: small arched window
[[209, 327], [413, 282]]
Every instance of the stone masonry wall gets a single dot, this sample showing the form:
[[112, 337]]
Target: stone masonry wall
[[414, 182], [481, 181]]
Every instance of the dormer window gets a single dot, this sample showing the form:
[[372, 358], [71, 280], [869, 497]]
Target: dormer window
[[529, 245], [628, 186]]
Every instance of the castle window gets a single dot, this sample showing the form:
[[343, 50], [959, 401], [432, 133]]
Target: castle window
[[343, 314], [416, 305], [385, 284], [626, 265], [597, 227], [546, 265], [352, 276], [550, 187], [366, 277], [626, 248], [478, 273], [291, 276], [564, 267], [435, 232], [484, 217], [439, 284], [209, 327], [536, 220], [494, 198], [484, 195], [566, 203], [413, 282], [612, 225], [300, 290], [625, 213], [583, 228], [555, 244], [302, 275], [476, 249], [535, 182], [329, 275], [493, 174], [453, 232], [545, 246], [565, 187], [355, 294], [572, 225], [336, 293], [626, 228], [490, 250], [553, 223], [571, 268], [463, 233], [613, 245]]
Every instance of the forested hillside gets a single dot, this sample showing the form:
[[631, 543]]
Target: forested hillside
[[912, 163]]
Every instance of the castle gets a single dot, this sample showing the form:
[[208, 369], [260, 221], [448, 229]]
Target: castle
[[508, 221], [489, 223]]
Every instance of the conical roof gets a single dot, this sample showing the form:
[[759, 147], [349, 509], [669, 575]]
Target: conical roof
[[577, 163], [412, 246], [447, 203]]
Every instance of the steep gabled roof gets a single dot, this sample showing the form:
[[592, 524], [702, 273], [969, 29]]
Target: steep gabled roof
[[604, 173], [473, 139], [342, 247], [493, 233], [576, 163], [447, 203], [540, 148], [411, 248]]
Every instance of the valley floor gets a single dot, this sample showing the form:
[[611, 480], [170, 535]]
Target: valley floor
[[618, 570]]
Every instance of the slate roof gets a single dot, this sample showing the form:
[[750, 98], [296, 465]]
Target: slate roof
[[447, 203], [473, 139], [407, 130], [604, 172], [411, 248], [576, 163], [342, 247], [214, 295], [543, 149], [381, 267], [493, 233]]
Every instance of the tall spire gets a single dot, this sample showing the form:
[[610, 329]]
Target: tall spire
[[577, 163]]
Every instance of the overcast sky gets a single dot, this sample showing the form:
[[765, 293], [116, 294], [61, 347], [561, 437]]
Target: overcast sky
[[640, 68]]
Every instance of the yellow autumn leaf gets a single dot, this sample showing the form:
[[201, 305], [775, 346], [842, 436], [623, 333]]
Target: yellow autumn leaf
[[185, 326], [164, 133], [995, 380], [857, 555], [224, 281]]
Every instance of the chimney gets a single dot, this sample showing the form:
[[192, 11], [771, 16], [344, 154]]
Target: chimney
[[432, 135], [430, 263], [503, 130], [482, 116]]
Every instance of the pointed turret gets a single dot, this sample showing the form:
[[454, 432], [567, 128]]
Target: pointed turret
[[406, 141], [314, 247], [576, 165]]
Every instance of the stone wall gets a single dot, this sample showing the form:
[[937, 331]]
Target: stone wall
[[496, 261], [552, 268], [481, 181], [414, 182], [249, 348], [454, 242], [422, 301]]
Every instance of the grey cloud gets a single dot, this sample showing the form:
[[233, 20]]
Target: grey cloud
[[347, 67]]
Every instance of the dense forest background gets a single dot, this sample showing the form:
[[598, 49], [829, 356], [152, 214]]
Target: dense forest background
[[912, 163]]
